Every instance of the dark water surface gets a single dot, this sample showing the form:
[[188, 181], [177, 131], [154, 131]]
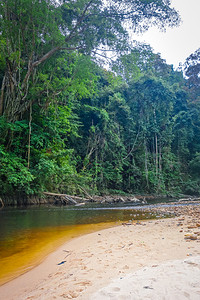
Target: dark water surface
[[28, 234], [14, 220]]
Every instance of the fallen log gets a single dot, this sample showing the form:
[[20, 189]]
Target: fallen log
[[85, 192], [189, 199], [65, 195], [2, 204], [80, 204], [70, 200]]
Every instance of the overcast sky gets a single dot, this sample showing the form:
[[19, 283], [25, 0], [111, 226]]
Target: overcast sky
[[177, 43]]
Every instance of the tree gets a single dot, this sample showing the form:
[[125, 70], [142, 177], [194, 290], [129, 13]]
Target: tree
[[139, 62], [43, 155], [33, 31], [191, 68]]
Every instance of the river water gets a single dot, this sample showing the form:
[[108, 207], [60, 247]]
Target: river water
[[28, 234]]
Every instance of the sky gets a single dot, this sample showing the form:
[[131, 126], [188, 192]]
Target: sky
[[177, 43]]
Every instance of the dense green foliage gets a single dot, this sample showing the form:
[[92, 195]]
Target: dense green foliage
[[67, 124]]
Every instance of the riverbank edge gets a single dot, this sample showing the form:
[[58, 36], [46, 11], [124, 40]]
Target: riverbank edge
[[79, 273], [48, 198]]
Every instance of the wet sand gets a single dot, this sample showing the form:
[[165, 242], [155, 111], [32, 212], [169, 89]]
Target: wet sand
[[157, 259]]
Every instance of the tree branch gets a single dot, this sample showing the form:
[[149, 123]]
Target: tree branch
[[78, 22], [133, 147], [2, 94]]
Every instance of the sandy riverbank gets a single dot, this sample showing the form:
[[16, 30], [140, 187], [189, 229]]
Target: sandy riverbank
[[150, 259]]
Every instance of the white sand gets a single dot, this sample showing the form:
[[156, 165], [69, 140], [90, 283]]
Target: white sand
[[143, 255], [175, 280]]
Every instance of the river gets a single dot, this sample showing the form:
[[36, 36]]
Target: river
[[28, 234]]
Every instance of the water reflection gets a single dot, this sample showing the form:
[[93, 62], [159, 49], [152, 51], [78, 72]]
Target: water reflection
[[13, 220], [28, 234]]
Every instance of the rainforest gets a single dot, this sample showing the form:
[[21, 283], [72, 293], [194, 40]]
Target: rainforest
[[72, 119]]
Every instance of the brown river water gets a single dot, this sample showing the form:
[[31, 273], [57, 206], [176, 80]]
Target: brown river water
[[28, 235]]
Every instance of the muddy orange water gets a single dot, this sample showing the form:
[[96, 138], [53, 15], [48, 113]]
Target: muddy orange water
[[28, 235]]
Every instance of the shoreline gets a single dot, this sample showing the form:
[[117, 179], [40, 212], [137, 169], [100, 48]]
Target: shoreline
[[49, 242], [84, 265]]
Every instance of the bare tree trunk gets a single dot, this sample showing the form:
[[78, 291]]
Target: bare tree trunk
[[2, 95], [146, 164], [160, 159], [156, 144], [96, 171], [29, 137], [160, 167]]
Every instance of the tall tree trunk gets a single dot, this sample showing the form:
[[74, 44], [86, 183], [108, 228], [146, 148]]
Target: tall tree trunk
[[146, 164], [160, 167], [29, 137], [2, 95], [156, 146], [96, 169]]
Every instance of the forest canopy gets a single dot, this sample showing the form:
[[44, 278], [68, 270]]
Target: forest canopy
[[66, 122]]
